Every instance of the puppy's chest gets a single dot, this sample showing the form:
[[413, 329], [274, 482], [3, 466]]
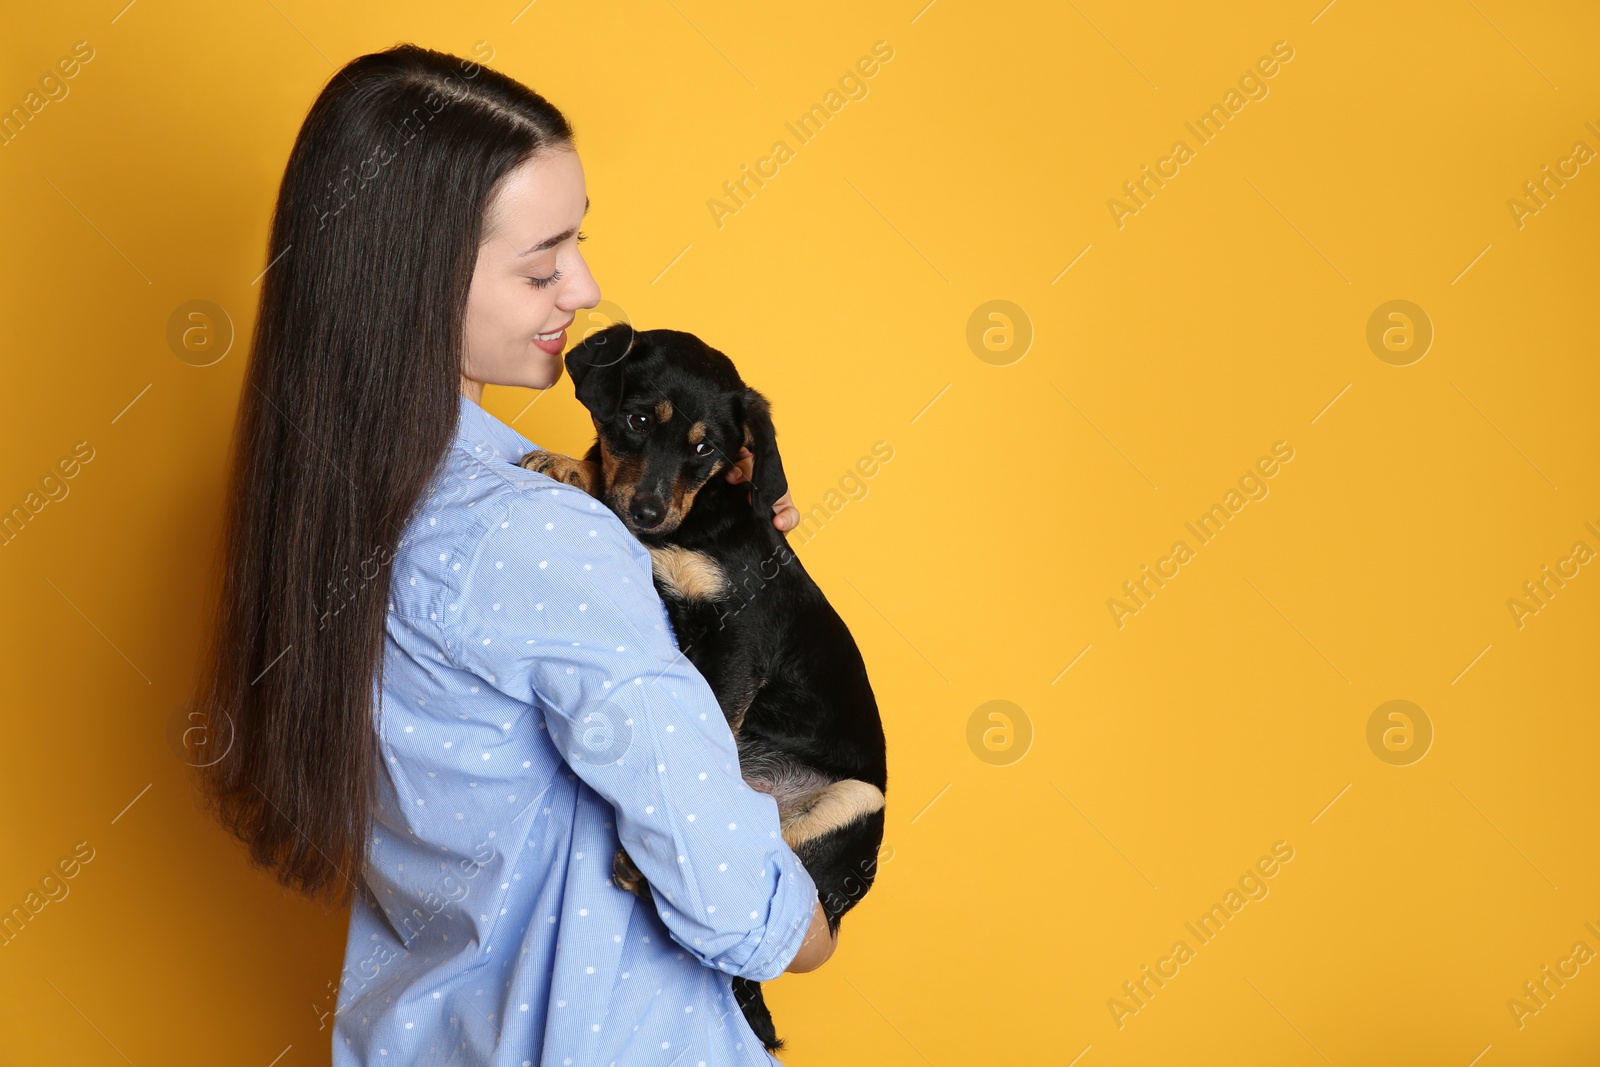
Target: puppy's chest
[[687, 577], [717, 605]]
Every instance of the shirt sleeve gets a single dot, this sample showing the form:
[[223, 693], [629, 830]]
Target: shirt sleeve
[[557, 608]]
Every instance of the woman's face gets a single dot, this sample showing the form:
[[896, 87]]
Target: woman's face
[[530, 279]]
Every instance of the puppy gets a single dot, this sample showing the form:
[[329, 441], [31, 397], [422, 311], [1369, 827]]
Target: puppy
[[672, 414]]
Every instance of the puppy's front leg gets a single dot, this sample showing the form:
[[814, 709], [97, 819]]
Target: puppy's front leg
[[580, 473]]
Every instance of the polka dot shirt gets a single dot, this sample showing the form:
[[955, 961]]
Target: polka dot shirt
[[533, 714]]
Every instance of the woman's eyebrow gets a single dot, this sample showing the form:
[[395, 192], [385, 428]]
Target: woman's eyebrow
[[551, 242]]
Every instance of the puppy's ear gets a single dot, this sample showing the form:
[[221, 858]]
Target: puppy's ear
[[767, 482], [597, 366]]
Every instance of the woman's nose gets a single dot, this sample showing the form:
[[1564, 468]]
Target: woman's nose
[[581, 291]]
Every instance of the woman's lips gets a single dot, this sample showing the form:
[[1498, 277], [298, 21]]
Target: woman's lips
[[555, 346]]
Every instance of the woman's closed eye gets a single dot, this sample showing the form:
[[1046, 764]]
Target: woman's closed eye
[[552, 278]]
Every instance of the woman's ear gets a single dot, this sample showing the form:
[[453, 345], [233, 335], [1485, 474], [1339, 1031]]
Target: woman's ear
[[597, 365], [768, 483]]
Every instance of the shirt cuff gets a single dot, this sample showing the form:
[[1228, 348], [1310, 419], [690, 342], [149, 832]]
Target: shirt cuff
[[767, 951]]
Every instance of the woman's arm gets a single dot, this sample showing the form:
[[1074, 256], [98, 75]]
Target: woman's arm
[[818, 945], [554, 604]]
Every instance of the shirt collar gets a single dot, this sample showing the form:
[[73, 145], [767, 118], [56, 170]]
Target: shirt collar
[[479, 432]]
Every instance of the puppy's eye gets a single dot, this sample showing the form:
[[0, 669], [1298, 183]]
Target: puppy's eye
[[703, 449], [638, 422]]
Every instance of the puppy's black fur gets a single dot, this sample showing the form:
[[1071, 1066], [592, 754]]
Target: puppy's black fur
[[672, 415]]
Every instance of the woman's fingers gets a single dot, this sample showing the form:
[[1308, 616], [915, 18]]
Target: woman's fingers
[[785, 516], [743, 468]]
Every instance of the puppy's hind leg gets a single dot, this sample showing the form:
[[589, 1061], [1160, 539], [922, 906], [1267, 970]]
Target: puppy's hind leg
[[829, 808], [627, 876], [837, 833]]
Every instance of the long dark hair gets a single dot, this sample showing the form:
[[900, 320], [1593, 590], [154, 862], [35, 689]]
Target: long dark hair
[[349, 403]]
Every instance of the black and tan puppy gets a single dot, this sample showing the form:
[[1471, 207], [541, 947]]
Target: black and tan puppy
[[672, 414]]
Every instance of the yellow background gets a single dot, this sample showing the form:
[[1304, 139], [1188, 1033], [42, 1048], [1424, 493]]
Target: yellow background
[[1226, 315]]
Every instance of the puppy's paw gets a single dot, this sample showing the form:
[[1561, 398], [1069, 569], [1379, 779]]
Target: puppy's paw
[[626, 875], [578, 473]]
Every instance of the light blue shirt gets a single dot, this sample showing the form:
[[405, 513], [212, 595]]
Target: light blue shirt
[[535, 712]]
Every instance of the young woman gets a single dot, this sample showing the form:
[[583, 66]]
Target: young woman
[[453, 689]]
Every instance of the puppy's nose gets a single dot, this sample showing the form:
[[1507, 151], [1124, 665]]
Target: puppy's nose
[[645, 511]]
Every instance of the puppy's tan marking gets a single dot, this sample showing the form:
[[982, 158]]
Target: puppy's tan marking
[[827, 809], [664, 411], [687, 574], [621, 477], [697, 433], [575, 472], [626, 875], [683, 499]]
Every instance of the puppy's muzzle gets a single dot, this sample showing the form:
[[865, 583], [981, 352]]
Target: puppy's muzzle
[[646, 510]]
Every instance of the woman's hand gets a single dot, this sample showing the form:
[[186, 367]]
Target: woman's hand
[[818, 945], [785, 516]]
